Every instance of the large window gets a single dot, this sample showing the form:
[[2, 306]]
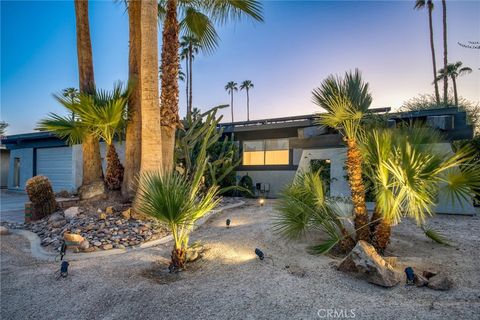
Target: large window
[[266, 152]]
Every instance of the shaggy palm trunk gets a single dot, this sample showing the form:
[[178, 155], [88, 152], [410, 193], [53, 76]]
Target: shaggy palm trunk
[[381, 237], [347, 243], [432, 48], [357, 188], [114, 176], [169, 93], [445, 60], [92, 165], [134, 125], [179, 258], [454, 81]]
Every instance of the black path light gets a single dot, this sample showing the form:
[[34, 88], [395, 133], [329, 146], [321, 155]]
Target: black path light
[[228, 223], [259, 253], [410, 275]]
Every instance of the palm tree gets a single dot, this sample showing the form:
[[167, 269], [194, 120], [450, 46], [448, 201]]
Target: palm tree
[[92, 183], [230, 88], [346, 102], [247, 85], [420, 4], [102, 115], [3, 128], [194, 20], [191, 46], [453, 71], [133, 135], [408, 172], [72, 94], [445, 59]]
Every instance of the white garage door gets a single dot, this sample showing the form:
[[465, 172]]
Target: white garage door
[[56, 164]]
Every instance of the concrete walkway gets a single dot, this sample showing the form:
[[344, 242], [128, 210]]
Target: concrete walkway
[[12, 206]]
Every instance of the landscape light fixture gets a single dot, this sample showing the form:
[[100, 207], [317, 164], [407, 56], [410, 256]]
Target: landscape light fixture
[[259, 253], [228, 223], [410, 275], [261, 202]]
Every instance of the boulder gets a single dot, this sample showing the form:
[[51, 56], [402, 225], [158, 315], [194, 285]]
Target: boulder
[[92, 190], [391, 261], [56, 216], [419, 280], [107, 246], [428, 274], [440, 282], [71, 213], [4, 231], [365, 260], [73, 239], [84, 245]]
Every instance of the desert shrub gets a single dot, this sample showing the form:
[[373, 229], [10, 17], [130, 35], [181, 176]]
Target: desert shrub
[[41, 195], [246, 185]]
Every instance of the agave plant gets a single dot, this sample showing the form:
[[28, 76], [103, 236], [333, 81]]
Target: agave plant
[[303, 206], [408, 172], [102, 114]]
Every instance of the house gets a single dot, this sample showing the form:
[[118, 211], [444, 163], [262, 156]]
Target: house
[[4, 165], [273, 151]]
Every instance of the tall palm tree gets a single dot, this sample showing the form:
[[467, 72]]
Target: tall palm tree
[[445, 59], [102, 114], [453, 71], [230, 88], [184, 56], [72, 94], [420, 4], [197, 18], [92, 183], [346, 101], [133, 135], [247, 85], [191, 45], [408, 172]]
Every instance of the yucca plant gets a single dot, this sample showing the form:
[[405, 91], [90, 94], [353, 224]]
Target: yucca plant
[[303, 206], [346, 101], [102, 114], [408, 172]]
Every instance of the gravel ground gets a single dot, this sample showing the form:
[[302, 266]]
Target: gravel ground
[[230, 283]]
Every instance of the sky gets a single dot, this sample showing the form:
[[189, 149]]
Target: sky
[[289, 54]]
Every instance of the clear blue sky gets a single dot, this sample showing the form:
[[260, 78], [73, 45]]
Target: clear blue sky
[[297, 46]]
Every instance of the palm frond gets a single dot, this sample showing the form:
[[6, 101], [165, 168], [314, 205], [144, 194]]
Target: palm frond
[[64, 127], [435, 235]]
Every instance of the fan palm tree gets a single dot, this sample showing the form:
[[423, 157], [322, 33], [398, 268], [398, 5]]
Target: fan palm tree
[[191, 46], [102, 115], [70, 93], [92, 163], [408, 172], [445, 58], [346, 102], [420, 4], [453, 71], [247, 85], [230, 88], [197, 18], [3, 128]]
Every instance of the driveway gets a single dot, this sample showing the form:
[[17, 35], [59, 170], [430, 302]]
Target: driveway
[[12, 206]]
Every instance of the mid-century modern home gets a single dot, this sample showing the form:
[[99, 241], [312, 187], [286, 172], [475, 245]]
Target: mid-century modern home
[[273, 151]]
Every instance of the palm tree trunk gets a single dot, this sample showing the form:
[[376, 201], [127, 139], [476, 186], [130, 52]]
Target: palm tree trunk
[[151, 143], [179, 256], [190, 87], [434, 62], [357, 187], [134, 125], [248, 107], [382, 235], [92, 184], [454, 81], [169, 93], [114, 175], [231, 102], [445, 60]]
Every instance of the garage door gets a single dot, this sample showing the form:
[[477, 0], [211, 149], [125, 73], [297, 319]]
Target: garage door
[[56, 164]]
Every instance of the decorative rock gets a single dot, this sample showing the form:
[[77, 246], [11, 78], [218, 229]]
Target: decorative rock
[[4, 231], [71, 213], [102, 216], [109, 210], [428, 274], [107, 246], [440, 282], [72, 238], [89, 249], [97, 243], [391, 261], [364, 259], [419, 280], [55, 217], [127, 213], [59, 223], [119, 246], [84, 245], [118, 222]]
